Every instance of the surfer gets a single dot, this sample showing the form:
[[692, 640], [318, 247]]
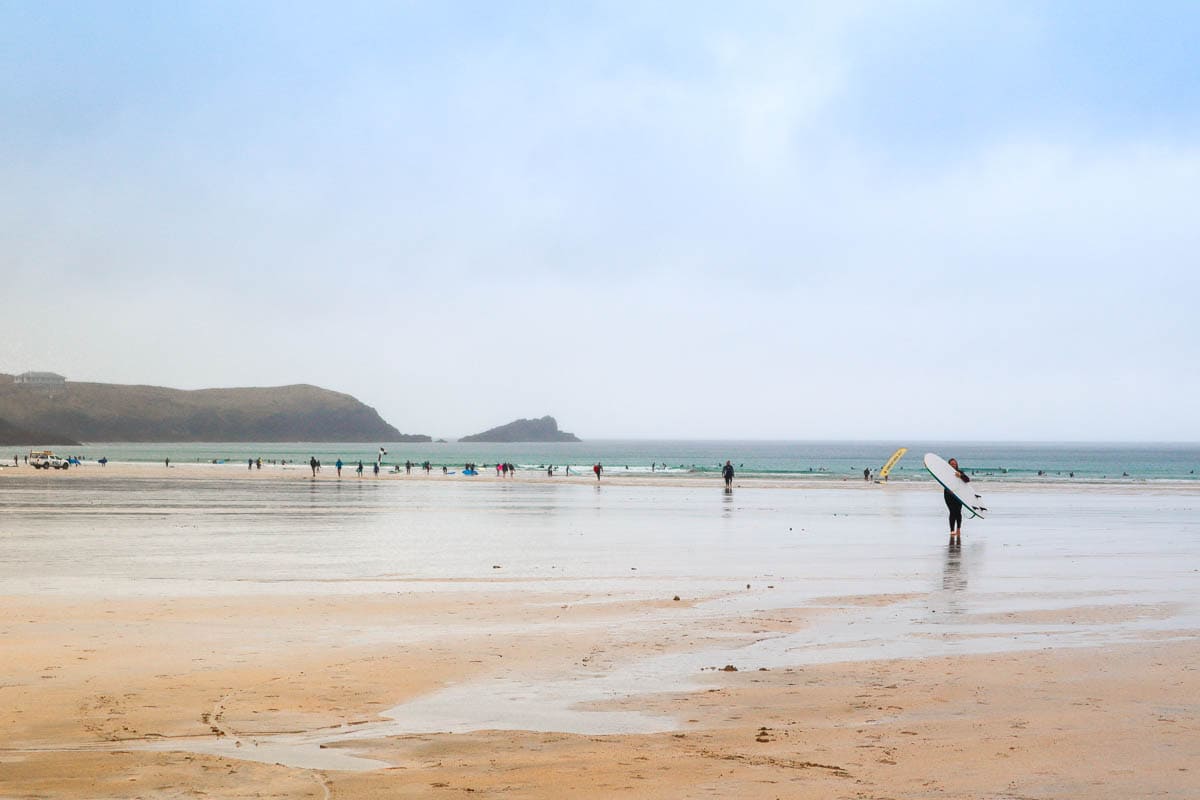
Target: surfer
[[953, 503], [727, 474]]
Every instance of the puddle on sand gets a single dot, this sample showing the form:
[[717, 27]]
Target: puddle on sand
[[318, 749], [305, 751], [489, 705], [575, 704]]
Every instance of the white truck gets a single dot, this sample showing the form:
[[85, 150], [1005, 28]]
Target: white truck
[[44, 459]]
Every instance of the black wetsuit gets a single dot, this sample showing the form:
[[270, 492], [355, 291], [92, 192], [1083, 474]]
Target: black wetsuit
[[727, 473], [955, 505]]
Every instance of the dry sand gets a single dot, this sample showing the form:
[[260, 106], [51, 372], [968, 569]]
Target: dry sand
[[88, 685]]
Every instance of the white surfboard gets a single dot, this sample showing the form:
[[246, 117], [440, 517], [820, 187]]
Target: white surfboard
[[944, 474]]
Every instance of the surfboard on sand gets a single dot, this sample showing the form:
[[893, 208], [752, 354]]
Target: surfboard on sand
[[944, 474]]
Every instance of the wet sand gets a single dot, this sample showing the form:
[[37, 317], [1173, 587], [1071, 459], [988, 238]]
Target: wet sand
[[788, 667]]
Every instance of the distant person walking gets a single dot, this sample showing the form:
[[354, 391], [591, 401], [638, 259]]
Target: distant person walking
[[376, 469], [954, 504], [727, 474], [359, 470], [312, 463], [338, 464], [597, 468], [167, 462]]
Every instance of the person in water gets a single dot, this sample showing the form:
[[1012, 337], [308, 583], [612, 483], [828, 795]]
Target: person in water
[[727, 474], [953, 503]]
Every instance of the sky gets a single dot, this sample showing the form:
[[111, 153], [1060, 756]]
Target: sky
[[925, 220]]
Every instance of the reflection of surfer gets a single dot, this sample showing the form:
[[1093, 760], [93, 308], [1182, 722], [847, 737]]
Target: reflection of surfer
[[953, 503], [954, 579]]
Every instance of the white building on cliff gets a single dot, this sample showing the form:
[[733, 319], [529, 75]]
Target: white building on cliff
[[40, 378]]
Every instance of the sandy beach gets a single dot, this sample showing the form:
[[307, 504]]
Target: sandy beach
[[235, 633]]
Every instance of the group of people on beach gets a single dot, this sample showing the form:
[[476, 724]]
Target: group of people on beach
[[507, 470], [73, 460]]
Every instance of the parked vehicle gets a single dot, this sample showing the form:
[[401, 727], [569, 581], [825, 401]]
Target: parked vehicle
[[45, 459]]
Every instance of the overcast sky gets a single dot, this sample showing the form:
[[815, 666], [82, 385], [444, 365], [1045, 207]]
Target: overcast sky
[[696, 220]]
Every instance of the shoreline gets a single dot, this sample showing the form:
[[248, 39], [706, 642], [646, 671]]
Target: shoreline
[[296, 472]]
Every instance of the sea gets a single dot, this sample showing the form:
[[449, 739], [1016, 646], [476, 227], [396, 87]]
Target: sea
[[834, 460]]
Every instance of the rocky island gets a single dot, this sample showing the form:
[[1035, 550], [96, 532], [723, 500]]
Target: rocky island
[[525, 430], [104, 412]]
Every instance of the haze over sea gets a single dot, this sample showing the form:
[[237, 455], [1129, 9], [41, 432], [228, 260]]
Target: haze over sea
[[1015, 461]]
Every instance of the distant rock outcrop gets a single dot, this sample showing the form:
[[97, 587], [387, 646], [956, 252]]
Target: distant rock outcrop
[[103, 412], [525, 430]]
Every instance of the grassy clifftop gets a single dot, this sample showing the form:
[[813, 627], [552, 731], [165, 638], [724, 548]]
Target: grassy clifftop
[[13, 435], [103, 412]]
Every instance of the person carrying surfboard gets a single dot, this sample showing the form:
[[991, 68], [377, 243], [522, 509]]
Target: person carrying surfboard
[[953, 503]]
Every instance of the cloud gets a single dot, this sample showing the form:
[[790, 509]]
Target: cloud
[[657, 222]]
